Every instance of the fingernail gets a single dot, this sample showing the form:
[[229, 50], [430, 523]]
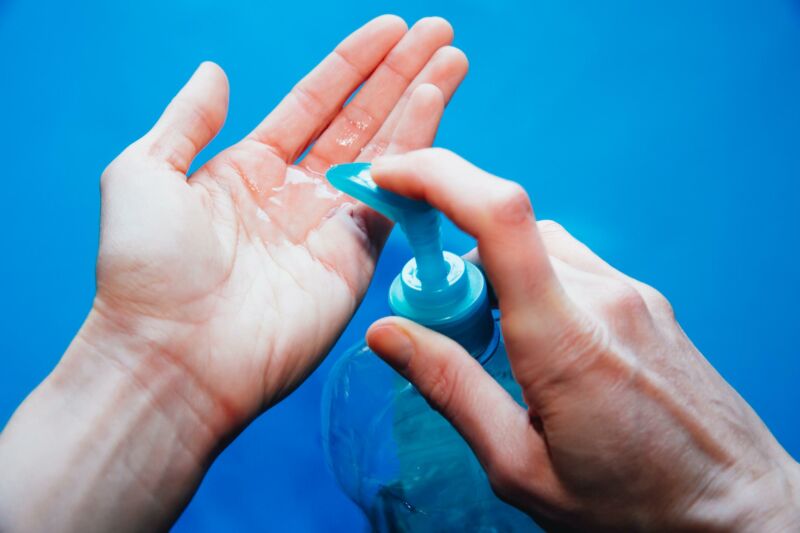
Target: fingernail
[[392, 344]]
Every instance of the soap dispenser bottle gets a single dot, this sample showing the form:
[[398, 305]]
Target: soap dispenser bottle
[[398, 459]]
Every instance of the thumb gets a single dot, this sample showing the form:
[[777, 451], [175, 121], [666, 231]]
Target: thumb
[[495, 426], [191, 119]]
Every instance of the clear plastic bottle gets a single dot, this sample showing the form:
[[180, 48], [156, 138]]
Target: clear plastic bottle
[[398, 459], [401, 461]]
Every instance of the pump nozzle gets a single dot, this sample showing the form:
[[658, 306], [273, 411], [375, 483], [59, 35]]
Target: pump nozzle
[[436, 288], [419, 221]]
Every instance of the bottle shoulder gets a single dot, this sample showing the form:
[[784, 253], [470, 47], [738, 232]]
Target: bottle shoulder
[[361, 376]]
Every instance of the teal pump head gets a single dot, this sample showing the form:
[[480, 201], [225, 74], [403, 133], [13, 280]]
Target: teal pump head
[[436, 288]]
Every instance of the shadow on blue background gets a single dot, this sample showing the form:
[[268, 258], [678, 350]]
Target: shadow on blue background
[[666, 136]]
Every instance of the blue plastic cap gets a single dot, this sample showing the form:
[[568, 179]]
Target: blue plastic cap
[[436, 288]]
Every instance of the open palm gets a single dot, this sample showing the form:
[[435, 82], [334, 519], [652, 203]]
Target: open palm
[[244, 274]]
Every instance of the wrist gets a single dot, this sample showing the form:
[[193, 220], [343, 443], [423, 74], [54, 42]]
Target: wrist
[[152, 357], [763, 496], [771, 502], [117, 437], [788, 511]]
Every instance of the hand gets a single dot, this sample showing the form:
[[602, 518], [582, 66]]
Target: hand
[[246, 274], [217, 293], [628, 427]]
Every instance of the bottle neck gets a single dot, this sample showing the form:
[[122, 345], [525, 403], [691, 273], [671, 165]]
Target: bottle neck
[[478, 335], [461, 311]]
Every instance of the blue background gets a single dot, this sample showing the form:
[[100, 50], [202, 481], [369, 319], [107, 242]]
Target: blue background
[[666, 136]]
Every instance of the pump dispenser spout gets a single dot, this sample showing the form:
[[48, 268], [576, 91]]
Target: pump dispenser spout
[[418, 220], [435, 288]]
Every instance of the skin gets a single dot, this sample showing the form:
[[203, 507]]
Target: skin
[[628, 427], [219, 292]]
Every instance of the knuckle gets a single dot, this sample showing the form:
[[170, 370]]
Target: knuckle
[[550, 226], [510, 203], [625, 300], [309, 101], [516, 325], [161, 149], [657, 302], [108, 175], [203, 117], [550, 230], [358, 118], [145, 154], [578, 343], [115, 170], [567, 353]]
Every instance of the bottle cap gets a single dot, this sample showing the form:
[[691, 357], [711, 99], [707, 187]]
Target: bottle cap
[[435, 288]]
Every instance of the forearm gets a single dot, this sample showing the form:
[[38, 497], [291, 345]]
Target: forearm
[[112, 440]]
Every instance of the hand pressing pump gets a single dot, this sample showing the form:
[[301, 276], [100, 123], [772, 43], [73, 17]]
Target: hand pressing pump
[[397, 458]]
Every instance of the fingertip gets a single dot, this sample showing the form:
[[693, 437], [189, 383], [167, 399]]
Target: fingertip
[[386, 321], [197, 112], [210, 66], [387, 173], [439, 25], [210, 97], [397, 173], [420, 119], [456, 55], [209, 82], [427, 96], [391, 21], [391, 342], [382, 165], [379, 34], [211, 73]]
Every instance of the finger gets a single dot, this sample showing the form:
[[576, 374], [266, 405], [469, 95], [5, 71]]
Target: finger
[[537, 316], [314, 101], [446, 70], [495, 211], [561, 244], [191, 119], [563, 259], [564, 246], [362, 117], [497, 429], [416, 129], [420, 120]]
